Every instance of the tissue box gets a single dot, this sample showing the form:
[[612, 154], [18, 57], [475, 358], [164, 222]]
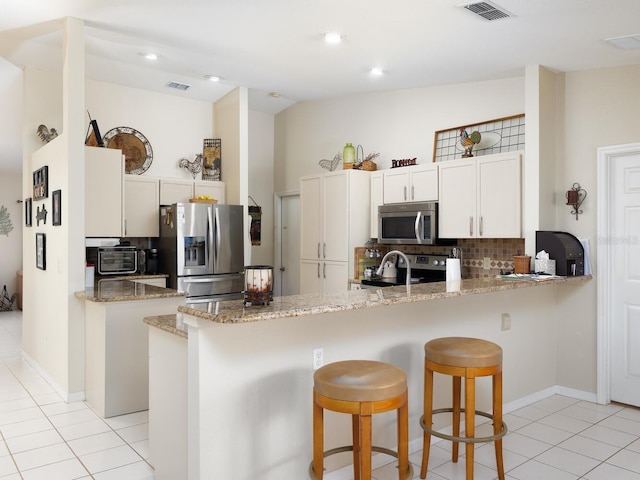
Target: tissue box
[[545, 266]]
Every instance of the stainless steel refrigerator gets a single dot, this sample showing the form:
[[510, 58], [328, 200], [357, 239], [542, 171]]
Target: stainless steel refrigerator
[[202, 250]]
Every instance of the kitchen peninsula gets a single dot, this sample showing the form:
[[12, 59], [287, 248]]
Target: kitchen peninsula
[[117, 344], [236, 388]]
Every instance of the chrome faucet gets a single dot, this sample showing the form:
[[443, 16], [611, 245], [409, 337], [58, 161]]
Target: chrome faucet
[[396, 252]]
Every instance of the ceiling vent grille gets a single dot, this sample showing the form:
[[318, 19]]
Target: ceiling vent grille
[[487, 10], [178, 85]]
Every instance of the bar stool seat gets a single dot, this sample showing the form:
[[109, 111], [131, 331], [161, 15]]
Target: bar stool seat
[[360, 388], [468, 358]]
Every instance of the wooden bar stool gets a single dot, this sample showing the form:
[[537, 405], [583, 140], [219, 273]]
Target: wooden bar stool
[[361, 388], [469, 358]]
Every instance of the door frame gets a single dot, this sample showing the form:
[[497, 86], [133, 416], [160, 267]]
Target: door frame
[[604, 265], [277, 245]]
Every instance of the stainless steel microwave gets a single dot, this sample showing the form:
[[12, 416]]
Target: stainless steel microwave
[[408, 223]]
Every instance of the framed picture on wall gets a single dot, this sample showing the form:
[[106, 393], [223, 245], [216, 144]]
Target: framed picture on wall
[[57, 207], [28, 211], [41, 183], [41, 251]]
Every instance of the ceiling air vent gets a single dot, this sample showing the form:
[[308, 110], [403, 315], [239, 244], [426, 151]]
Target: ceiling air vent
[[178, 85], [487, 10]]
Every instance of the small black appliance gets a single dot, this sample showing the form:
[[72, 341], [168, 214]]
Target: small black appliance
[[565, 249]]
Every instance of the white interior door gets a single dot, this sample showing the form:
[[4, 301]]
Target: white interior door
[[625, 286], [289, 268]]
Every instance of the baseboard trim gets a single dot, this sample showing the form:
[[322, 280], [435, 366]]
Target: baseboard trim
[[66, 396]]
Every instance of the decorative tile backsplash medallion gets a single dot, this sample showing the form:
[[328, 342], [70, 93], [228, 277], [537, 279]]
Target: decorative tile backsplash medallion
[[497, 136], [474, 251]]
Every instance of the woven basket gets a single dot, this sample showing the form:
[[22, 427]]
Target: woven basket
[[521, 264], [369, 165]]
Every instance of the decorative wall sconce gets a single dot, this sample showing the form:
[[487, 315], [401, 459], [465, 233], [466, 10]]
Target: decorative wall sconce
[[575, 197]]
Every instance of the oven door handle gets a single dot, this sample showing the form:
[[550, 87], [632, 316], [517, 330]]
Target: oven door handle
[[419, 226]]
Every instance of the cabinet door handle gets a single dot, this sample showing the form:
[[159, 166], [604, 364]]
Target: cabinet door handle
[[318, 250], [481, 225], [318, 269], [412, 193], [324, 250], [471, 226], [324, 270], [125, 228], [405, 193]]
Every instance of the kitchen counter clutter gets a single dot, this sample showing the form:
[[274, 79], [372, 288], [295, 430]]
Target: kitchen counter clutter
[[312, 304]]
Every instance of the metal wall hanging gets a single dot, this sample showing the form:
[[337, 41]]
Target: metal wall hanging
[[255, 212], [575, 197], [193, 166], [41, 215], [135, 147]]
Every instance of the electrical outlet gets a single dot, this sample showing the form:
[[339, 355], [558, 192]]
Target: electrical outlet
[[318, 358], [487, 263], [506, 321]]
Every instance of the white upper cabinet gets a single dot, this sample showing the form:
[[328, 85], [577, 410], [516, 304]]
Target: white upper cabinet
[[377, 199], [417, 183], [173, 190], [103, 172], [481, 197], [141, 206]]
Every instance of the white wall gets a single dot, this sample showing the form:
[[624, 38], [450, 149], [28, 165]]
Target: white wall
[[397, 124], [261, 129], [601, 108], [11, 242], [174, 126]]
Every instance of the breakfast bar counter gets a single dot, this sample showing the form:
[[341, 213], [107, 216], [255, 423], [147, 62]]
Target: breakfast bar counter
[[236, 388], [313, 304]]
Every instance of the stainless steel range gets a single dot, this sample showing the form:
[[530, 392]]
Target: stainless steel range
[[425, 268]]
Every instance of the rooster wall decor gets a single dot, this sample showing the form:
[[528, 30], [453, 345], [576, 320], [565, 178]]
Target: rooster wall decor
[[45, 134], [194, 166], [331, 164], [469, 141]]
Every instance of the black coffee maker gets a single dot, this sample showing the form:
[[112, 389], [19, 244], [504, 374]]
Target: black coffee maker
[[152, 261]]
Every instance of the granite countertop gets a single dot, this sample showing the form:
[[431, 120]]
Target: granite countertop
[[125, 291], [170, 323], [234, 311]]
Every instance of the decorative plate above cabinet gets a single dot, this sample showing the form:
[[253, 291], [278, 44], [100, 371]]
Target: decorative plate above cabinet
[[135, 147]]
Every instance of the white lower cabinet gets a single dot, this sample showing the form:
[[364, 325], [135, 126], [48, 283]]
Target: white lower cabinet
[[323, 276], [141, 206]]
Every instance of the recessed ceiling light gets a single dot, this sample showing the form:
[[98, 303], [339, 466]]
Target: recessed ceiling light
[[151, 56], [332, 38], [274, 95], [377, 71], [212, 78]]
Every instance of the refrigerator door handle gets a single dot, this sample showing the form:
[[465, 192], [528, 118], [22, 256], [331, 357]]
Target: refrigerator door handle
[[211, 251]]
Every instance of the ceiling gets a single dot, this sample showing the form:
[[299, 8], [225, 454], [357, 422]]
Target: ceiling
[[278, 46]]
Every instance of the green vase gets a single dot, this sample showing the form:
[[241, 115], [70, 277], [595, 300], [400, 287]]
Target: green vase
[[348, 156]]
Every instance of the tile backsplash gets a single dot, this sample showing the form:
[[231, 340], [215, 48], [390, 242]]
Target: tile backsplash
[[500, 251]]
